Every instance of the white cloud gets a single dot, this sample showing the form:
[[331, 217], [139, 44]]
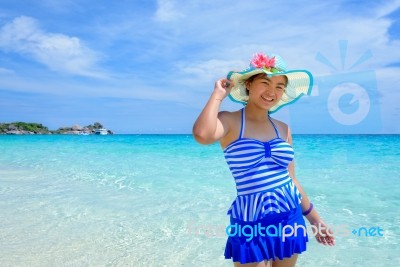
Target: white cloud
[[166, 11], [6, 71], [388, 7], [186, 45], [210, 69], [57, 51], [298, 38], [127, 88]]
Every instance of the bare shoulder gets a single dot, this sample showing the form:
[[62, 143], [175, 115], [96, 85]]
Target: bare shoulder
[[228, 117], [283, 128]]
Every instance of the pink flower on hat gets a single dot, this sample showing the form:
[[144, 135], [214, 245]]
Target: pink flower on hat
[[262, 61]]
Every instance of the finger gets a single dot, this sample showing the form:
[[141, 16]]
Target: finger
[[322, 240], [329, 238], [228, 84], [319, 239], [329, 232], [223, 82], [331, 241]]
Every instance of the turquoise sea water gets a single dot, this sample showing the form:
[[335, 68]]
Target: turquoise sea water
[[161, 200]]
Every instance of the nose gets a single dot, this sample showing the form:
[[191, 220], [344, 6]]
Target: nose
[[269, 91]]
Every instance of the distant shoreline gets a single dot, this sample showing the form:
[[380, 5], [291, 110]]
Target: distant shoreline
[[24, 128], [189, 134]]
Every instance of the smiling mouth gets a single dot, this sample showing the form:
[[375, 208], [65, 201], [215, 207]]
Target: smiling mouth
[[267, 99]]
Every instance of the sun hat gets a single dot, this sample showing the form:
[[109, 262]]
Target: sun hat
[[299, 81]]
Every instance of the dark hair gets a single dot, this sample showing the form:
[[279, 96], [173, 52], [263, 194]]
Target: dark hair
[[251, 79]]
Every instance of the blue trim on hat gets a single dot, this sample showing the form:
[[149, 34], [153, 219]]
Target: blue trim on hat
[[229, 75], [298, 97], [229, 95]]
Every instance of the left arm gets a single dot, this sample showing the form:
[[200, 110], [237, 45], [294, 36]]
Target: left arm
[[324, 235]]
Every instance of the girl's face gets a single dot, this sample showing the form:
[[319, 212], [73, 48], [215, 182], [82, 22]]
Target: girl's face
[[265, 91]]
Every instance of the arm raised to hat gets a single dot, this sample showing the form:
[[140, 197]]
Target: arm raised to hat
[[211, 125], [322, 232]]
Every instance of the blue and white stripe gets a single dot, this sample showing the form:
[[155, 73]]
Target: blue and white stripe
[[261, 175], [252, 207]]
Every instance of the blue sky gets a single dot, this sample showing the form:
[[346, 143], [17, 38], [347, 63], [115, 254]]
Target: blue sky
[[150, 66]]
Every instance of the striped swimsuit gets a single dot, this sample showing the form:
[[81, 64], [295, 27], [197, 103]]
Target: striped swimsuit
[[260, 170]]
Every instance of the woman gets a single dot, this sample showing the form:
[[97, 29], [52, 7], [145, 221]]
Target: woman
[[267, 225]]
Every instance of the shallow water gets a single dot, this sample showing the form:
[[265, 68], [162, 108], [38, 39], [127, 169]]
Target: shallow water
[[138, 200]]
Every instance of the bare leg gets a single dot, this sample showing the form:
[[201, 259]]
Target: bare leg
[[287, 262], [253, 264], [268, 263]]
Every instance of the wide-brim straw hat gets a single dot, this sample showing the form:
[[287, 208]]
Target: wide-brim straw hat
[[299, 83]]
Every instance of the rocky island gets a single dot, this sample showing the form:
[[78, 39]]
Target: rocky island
[[37, 128]]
